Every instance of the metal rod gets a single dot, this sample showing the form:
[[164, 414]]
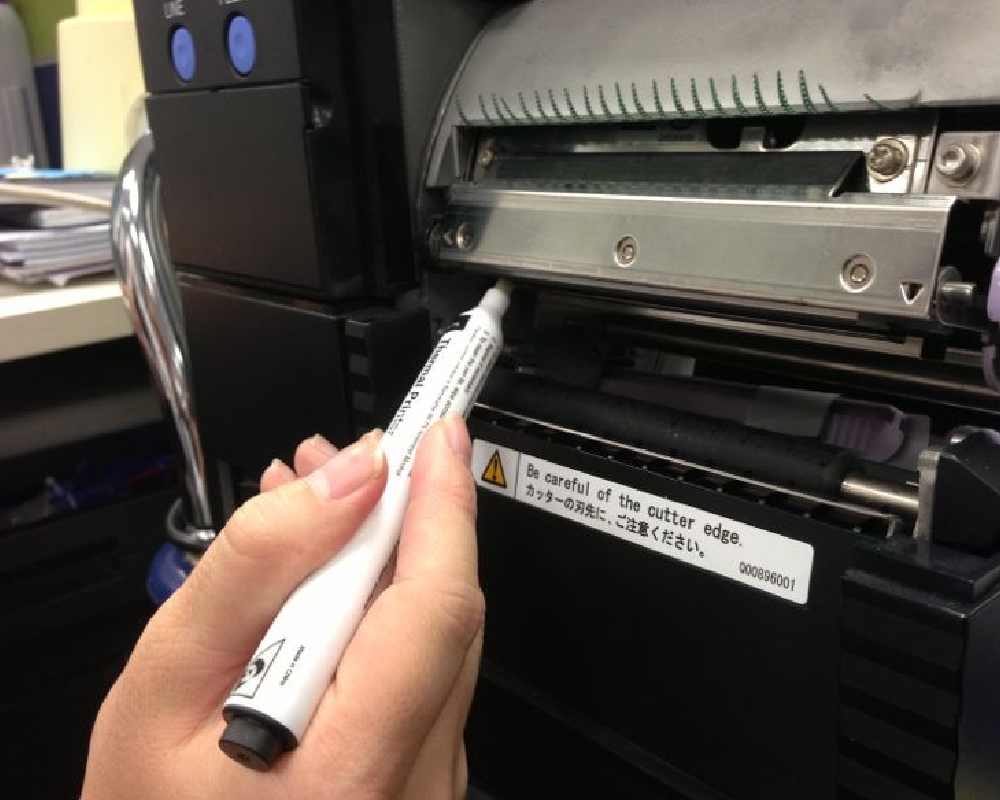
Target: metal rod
[[149, 289], [895, 497]]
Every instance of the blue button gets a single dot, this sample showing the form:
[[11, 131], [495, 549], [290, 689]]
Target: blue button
[[242, 44], [182, 53]]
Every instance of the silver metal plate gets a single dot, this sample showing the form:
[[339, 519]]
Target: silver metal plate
[[552, 62], [754, 250], [983, 180], [633, 58]]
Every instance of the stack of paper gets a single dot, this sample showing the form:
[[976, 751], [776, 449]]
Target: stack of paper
[[56, 255], [52, 243]]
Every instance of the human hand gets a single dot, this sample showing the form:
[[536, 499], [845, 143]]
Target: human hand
[[391, 723]]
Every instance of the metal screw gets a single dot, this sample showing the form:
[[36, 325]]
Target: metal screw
[[958, 162], [887, 159], [321, 115], [626, 251], [465, 236], [448, 237], [487, 154], [857, 273]]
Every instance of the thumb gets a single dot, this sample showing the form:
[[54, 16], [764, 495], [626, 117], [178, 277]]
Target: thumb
[[208, 629]]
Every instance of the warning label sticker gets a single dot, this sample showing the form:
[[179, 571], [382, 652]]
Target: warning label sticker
[[753, 556], [253, 676], [494, 474]]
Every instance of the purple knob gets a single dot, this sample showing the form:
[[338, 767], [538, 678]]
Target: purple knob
[[993, 298]]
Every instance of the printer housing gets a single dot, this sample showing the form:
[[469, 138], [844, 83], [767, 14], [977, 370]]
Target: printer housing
[[754, 249]]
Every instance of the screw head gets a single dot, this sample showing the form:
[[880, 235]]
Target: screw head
[[887, 159], [465, 236], [957, 162], [857, 273], [321, 115], [626, 251]]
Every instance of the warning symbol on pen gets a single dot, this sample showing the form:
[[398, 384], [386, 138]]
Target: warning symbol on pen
[[253, 677], [494, 471]]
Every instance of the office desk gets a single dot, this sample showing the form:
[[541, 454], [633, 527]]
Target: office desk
[[44, 319], [74, 389]]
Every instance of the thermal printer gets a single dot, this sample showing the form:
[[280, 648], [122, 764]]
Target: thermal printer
[[739, 464]]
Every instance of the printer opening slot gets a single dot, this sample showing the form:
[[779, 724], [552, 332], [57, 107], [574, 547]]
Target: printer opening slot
[[754, 412], [749, 461], [839, 153], [659, 162]]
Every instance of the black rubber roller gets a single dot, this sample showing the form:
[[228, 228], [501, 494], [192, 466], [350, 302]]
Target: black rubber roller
[[789, 461]]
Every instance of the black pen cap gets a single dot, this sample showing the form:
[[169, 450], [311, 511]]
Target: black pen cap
[[254, 740]]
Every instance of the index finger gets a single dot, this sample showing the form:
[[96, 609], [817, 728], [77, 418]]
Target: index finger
[[439, 531], [408, 653]]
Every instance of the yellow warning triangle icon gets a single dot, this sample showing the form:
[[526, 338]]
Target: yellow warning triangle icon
[[494, 471]]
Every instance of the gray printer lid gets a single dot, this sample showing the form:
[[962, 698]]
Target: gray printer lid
[[557, 60]]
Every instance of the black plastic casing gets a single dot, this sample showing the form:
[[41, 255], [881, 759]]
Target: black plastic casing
[[968, 477], [270, 371], [613, 671], [289, 177], [284, 195], [296, 40], [253, 189]]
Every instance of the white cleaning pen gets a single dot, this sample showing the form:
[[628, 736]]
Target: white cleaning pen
[[269, 709]]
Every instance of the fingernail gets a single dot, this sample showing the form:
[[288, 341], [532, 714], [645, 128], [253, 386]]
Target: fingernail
[[457, 435], [322, 445], [349, 469], [276, 463]]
